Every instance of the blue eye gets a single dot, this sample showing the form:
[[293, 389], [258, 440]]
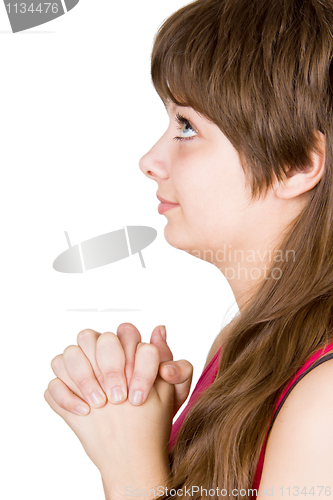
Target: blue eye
[[187, 131]]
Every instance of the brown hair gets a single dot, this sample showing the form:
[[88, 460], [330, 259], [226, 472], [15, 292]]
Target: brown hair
[[262, 72]]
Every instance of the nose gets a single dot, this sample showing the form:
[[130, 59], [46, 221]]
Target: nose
[[155, 163]]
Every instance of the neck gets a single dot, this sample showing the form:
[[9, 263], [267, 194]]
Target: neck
[[244, 279]]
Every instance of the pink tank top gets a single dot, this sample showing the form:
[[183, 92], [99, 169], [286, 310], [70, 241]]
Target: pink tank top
[[207, 378]]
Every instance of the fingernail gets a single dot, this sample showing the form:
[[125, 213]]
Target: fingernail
[[163, 332], [117, 395], [136, 397], [171, 370], [96, 398], [81, 410]]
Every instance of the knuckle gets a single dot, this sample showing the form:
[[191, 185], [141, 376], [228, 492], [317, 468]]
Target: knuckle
[[86, 334], [52, 384], [185, 366], [107, 337], [71, 350], [128, 330], [189, 366], [126, 326], [56, 361], [54, 388], [111, 374], [148, 349], [65, 402], [84, 381], [141, 380]]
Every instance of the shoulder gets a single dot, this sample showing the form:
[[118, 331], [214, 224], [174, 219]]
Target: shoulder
[[213, 350], [299, 447], [220, 339]]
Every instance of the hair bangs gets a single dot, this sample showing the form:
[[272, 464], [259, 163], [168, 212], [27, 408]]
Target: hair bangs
[[182, 55]]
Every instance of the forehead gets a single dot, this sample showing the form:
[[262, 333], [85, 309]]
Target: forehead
[[171, 108]]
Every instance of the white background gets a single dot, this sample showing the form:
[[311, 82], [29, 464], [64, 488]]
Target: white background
[[78, 110]]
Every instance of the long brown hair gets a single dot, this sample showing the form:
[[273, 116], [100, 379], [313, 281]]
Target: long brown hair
[[261, 70]]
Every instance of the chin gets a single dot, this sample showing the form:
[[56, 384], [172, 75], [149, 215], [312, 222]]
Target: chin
[[177, 238], [174, 237]]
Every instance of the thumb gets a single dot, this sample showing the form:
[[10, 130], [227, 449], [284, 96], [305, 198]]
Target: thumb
[[160, 341], [180, 374]]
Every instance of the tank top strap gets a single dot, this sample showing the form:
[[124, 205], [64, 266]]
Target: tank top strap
[[315, 360]]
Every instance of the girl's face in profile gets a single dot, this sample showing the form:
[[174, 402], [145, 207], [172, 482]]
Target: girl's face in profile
[[196, 166]]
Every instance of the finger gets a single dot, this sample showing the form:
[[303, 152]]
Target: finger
[[146, 366], [110, 358], [180, 374], [166, 392], [59, 370], [63, 397], [87, 341], [129, 337], [50, 401], [160, 342], [80, 371]]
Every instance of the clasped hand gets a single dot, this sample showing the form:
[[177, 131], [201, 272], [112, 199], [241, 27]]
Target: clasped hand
[[119, 396]]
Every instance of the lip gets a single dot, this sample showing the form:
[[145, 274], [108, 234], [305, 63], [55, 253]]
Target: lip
[[165, 205], [162, 200]]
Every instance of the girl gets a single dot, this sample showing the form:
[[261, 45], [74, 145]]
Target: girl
[[245, 179]]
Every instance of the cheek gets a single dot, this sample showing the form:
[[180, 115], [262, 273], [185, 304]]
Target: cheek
[[208, 185]]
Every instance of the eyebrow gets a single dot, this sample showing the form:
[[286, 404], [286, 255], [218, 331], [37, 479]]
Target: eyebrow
[[170, 104]]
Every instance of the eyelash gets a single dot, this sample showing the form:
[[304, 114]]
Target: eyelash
[[183, 121]]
